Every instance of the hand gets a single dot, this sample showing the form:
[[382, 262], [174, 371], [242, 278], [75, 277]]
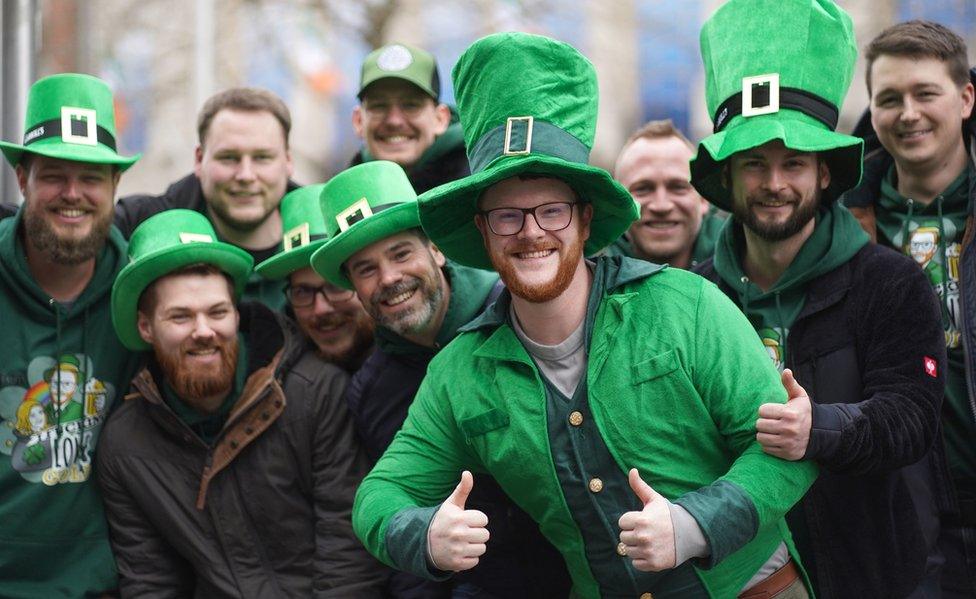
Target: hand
[[457, 537], [648, 534], [783, 430]]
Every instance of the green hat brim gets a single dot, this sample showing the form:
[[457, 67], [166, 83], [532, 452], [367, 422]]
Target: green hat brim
[[842, 153], [447, 212], [281, 265], [54, 148], [328, 260], [136, 276]]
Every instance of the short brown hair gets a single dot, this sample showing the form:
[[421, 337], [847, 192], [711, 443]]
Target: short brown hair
[[921, 39], [247, 99], [657, 130], [149, 298]]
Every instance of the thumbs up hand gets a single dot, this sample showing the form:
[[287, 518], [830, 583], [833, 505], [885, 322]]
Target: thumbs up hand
[[648, 535], [456, 537], [783, 430]]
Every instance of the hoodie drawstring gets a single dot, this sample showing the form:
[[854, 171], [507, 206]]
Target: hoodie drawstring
[[904, 226], [782, 327], [945, 267]]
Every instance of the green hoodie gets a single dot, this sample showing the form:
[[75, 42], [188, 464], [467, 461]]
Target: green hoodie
[[61, 371], [470, 288], [834, 241], [932, 235]]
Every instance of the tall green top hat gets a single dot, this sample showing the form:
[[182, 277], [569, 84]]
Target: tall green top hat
[[69, 116], [362, 205], [304, 233], [777, 70], [401, 61], [163, 243], [528, 105]]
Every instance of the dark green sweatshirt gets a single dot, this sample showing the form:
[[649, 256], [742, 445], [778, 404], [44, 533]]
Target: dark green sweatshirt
[[834, 241], [61, 371]]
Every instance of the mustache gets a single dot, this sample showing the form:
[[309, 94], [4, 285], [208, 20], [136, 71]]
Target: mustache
[[331, 320], [532, 246], [396, 289]]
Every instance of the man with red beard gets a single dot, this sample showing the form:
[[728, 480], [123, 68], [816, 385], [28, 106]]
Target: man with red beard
[[332, 318], [59, 255], [600, 395], [419, 301], [230, 470]]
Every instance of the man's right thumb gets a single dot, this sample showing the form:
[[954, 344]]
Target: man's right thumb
[[461, 492]]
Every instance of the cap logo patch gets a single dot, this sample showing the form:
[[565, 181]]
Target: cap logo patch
[[760, 94], [195, 238], [360, 210], [394, 58], [518, 135], [296, 237], [78, 126]]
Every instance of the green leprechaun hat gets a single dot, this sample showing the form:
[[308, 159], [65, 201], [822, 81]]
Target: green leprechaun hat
[[71, 117], [304, 228], [777, 70], [362, 205], [401, 61], [528, 105], [163, 243]]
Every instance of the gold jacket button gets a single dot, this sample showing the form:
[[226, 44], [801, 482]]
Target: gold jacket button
[[621, 549], [647, 596], [576, 418], [596, 485]]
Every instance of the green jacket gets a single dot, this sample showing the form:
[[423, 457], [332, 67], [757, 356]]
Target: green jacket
[[53, 539], [667, 394]]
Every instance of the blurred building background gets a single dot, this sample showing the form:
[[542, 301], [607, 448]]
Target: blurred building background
[[164, 57]]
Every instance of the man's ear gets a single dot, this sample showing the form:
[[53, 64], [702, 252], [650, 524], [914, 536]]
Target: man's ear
[[443, 117], [357, 121], [198, 160], [967, 100], [145, 327], [439, 258], [22, 175], [726, 176], [823, 173], [586, 217]]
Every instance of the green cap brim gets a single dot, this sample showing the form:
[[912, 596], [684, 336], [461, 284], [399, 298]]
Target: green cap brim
[[842, 153], [328, 260], [447, 212], [281, 265], [138, 275], [75, 152]]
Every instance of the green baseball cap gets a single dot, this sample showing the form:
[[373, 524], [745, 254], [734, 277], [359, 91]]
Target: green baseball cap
[[401, 61], [362, 205], [72, 117], [304, 228], [529, 105], [777, 70], [161, 244]]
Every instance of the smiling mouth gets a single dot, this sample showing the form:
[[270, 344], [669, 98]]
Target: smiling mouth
[[70, 212], [202, 352], [399, 299], [913, 134], [535, 254], [659, 224]]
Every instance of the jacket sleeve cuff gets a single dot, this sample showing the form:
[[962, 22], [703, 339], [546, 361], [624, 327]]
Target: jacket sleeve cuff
[[726, 517], [406, 542], [827, 423]]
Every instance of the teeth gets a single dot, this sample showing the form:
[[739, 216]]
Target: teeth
[[661, 225], [399, 299], [203, 352], [538, 254], [71, 212], [911, 134], [396, 138]]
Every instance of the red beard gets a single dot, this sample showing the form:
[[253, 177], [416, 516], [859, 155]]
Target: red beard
[[194, 384], [543, 292]]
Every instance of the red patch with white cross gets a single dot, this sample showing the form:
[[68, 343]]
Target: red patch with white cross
[[930, 367]]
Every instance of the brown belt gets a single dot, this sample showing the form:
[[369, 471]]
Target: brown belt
[[775, 583]]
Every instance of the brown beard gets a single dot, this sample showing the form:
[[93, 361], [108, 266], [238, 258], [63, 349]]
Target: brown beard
[[197, 387], [545, 292], [69, 252], [362, 340]]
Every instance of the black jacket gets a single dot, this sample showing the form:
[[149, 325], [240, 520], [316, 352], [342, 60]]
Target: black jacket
[[265, 511], [860, 347]]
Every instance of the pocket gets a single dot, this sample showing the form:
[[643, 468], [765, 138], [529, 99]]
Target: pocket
[[655, 367], [475, 426]]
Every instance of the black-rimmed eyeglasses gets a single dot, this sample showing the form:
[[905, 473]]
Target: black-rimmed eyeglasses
[[554, 216], [303, 296]]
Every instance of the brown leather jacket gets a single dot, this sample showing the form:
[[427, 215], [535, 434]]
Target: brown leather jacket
[[265, 511]]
